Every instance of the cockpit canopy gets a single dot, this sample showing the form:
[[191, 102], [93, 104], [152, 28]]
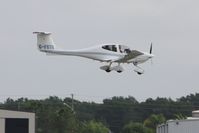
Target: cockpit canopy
[[110, 47], [117, 48]]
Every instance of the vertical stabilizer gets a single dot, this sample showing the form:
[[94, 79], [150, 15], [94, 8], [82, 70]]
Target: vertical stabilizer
[[44, 41]]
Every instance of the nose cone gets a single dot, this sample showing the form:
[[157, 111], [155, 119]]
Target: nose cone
[[151, 56]]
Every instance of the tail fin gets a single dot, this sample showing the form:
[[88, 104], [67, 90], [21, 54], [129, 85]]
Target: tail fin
[[44, 41]]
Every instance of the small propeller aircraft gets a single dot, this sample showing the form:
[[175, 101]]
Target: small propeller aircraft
[[109, 53]]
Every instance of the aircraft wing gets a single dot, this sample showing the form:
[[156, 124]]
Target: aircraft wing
[[132, 54]]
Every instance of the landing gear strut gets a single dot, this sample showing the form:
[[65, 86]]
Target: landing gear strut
[[138, 69], [118, 68], [108, 68]]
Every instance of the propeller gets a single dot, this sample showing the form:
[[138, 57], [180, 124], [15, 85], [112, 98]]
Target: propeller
[[151, 48]]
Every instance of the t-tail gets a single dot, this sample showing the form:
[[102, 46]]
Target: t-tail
[[44, 41], [45, 44]]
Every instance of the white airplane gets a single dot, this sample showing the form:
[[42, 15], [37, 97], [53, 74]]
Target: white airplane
[[110, 53]]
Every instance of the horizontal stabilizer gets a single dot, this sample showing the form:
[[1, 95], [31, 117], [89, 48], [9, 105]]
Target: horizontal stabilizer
[[45, 33]]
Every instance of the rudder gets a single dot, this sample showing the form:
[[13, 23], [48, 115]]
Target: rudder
[[44, 41]]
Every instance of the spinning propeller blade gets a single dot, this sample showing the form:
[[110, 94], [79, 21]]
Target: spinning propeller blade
[[151, 48]]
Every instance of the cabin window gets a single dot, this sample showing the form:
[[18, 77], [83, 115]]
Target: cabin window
[[110, 47]]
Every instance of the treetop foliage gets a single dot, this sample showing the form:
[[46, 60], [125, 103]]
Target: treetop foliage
[[119, 114]]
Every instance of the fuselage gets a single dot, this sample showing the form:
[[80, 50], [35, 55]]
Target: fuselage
[[106, 53]]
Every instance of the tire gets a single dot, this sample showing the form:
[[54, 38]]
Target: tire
[[119, 71], [139, 73], [108, 70]]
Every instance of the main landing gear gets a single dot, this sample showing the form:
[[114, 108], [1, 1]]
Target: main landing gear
[[119, 68], [108, 68], [119, 71], [139, 73]]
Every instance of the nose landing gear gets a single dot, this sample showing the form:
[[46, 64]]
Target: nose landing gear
[[138, 69]]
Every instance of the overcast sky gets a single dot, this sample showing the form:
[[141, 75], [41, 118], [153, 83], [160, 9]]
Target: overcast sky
[[172, 26]]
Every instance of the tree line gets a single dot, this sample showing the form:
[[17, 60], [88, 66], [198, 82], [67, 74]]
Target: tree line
[[116, 115]]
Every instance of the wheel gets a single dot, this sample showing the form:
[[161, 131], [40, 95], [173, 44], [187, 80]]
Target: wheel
[[119, 71], [108, 70], [139, 73]]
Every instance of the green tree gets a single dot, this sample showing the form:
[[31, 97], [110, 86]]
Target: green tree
[[135, 128], [94, 127], [154, 120], [55, 117], [118, 111], [180, 116]]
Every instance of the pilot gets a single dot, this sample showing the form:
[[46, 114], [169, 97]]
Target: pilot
[[127, 51], [120, 49]]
